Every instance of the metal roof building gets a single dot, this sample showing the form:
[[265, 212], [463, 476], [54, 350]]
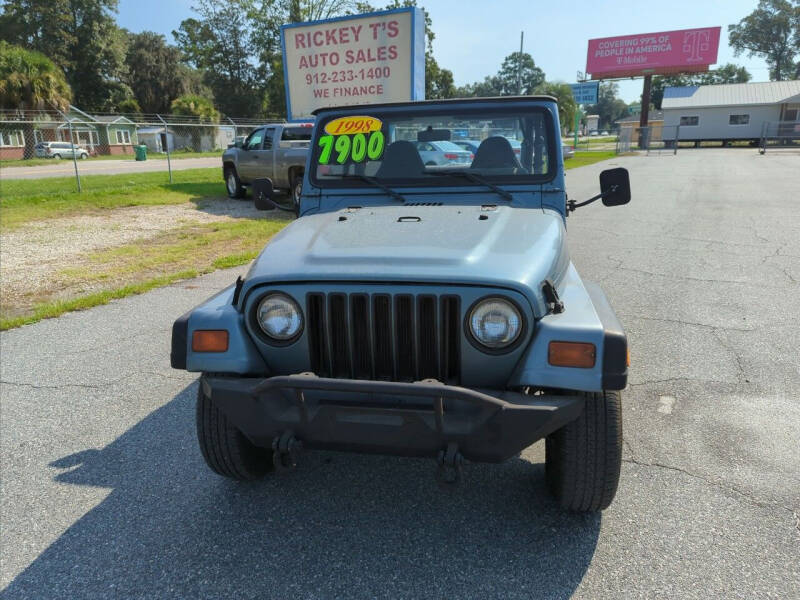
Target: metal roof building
[[735, 111]]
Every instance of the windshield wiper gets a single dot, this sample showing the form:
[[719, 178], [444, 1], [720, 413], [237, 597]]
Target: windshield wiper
[[476, 179], [374, 182]]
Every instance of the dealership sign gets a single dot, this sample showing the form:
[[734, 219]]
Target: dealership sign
[[585, 92], [683, 51], [363, 59]]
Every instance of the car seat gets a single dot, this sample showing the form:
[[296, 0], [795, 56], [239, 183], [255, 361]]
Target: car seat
[[400, 160]]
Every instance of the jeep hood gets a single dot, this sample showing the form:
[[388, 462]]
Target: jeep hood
[[515, 248]]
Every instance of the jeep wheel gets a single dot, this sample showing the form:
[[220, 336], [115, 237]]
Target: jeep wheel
[[297, 191], [233, 184], [225, 449], [583, 458]]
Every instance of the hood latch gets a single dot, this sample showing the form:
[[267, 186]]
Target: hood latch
[[554, 303]]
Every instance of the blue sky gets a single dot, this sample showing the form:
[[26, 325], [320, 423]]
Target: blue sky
[[473, 37]]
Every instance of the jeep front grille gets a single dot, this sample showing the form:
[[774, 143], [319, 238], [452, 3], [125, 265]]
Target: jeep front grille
[[400, 337]]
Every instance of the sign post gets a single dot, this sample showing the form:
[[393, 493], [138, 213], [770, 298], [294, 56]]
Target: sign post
[[362, 59], [584, 92]]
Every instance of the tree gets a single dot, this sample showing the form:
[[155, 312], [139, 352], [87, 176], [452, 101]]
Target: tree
[[154, 71], [29, 80], [129, 105], [438, 81], [489, 87], [519, 75], [728, 73], [80, 36], [566, 101], [771, 31], [222, 43], [609, 107], [196, 106]]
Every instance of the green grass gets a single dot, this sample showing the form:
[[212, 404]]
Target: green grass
[[48, 310], [36, 162], [136, 268], [581, 159], [23, 200]]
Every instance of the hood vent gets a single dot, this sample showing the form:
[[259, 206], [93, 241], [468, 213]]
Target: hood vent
[[423, 204]]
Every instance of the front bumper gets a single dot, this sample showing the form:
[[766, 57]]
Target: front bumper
[[408, 419]]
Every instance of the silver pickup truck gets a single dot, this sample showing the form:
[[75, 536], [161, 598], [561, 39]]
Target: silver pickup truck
[[277, 151]]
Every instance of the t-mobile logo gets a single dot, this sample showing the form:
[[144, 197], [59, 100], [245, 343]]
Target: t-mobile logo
[[695, 42]]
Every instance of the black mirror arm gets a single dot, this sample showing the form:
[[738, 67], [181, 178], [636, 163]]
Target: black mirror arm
[[572, 205], [274, 204]]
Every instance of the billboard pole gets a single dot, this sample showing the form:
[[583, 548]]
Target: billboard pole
[[644, 116]]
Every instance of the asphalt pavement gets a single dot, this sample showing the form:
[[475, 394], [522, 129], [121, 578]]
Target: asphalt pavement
[[105, 494], [66, 168]]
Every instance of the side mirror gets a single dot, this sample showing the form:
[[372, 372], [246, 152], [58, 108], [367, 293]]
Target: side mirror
[[615, 189], [239, 144], [262, 194], [615, 186]]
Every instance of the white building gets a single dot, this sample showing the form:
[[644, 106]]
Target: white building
[[735, 111]]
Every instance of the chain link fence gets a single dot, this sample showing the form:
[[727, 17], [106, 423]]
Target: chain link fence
[[779, 134], [42, 144], [658, 139], [594, 143]]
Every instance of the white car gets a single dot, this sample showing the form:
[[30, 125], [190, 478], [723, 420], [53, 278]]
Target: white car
[[59, 150], [443, 153]]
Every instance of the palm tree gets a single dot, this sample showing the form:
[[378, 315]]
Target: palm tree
[[31, 81]]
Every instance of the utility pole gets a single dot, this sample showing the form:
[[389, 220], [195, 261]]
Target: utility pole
[[519, 64]]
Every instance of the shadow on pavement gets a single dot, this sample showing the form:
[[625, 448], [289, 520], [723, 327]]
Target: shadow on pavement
[[339, 526], [243, 208]]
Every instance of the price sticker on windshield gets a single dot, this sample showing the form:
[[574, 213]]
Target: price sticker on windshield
[[344, 125], [352, 139]]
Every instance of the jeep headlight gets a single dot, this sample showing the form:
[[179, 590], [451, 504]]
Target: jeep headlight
[[495, 323], [279, 317]]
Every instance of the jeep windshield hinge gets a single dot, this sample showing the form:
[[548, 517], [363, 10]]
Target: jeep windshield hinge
[[554, 303]]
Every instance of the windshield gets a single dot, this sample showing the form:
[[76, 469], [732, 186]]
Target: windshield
[[420, 149]]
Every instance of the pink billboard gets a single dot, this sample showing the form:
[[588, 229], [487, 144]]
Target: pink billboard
[[685, 50]]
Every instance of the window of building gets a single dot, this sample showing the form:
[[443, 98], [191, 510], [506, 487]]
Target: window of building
[[739, 120], [123, 136], [13, 139], [690, 121]]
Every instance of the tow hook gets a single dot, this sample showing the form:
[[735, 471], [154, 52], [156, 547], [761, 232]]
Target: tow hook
[[448, 473], [285, 449]]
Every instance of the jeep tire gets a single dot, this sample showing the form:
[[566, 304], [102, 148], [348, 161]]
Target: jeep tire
[[233, 185], [225, 449], [583, 458]]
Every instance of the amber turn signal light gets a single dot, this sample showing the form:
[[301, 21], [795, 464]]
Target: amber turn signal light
[[210, 340], [571, 354]]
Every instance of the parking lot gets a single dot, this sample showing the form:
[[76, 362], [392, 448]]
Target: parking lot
[[105, 493]]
